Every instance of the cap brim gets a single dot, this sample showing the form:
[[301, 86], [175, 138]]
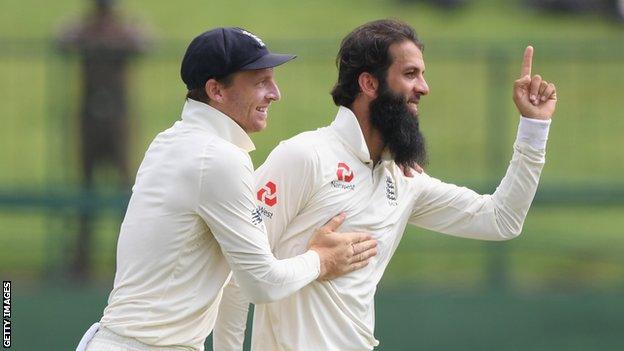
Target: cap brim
[[268, 61]]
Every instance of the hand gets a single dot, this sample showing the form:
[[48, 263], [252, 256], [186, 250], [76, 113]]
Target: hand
[[408, 171], [341, 253], [533, 96]]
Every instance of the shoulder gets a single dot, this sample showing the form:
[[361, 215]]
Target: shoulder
[[302, 149], [419, 182], [225, 159], [225, 170]]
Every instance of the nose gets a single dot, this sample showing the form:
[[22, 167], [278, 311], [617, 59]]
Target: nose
[[422, 87], [274, 93]]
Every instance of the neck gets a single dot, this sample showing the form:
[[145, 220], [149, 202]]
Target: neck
[[372, 136]]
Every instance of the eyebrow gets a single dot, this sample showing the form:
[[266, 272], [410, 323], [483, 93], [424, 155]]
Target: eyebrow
[[263, 76], [412, 68]]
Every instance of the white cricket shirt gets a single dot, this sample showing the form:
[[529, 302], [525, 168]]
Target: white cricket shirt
[[315, 175], [191, 218]]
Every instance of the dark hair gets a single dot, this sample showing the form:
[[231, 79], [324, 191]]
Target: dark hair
[[366, 49], [199, 94]]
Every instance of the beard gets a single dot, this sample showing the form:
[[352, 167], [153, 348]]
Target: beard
[[399, 128]]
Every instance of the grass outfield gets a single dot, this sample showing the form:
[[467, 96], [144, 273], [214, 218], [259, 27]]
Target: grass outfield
[[39, 145], [470, 90]]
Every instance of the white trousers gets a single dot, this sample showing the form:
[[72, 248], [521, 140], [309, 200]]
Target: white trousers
[[105, 340]]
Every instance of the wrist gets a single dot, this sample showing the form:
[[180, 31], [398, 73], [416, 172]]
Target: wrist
[[533, 131], [322, 267], [539, 118]]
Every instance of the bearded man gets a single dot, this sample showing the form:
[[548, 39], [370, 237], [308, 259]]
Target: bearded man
[[354, 166]]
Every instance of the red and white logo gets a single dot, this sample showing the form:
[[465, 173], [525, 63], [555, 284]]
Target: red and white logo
[[344, 173], [268, 194]]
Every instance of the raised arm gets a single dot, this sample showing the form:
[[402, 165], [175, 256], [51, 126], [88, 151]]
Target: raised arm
[[459, 211]]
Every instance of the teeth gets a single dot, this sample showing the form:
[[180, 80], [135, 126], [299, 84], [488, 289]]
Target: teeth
[[261, 109]]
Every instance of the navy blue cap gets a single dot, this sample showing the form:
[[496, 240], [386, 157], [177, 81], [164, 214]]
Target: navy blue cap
[[221, 51]]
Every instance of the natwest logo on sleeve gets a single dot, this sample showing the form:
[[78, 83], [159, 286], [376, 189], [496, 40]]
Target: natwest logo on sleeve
[[344, 173], [268, 194]]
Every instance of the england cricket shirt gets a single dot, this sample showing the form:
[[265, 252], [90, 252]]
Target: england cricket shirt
[[310, 178], [191, 218]]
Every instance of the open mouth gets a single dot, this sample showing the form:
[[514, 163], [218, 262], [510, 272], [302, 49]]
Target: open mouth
[[262, 109]]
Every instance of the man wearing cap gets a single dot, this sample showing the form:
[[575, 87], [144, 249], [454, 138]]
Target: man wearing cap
[[192, 217], [352, 166]]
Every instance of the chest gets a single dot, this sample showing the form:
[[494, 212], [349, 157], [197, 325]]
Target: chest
[[375, 199]]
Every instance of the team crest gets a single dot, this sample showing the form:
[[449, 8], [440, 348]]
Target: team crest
[[391, 192]]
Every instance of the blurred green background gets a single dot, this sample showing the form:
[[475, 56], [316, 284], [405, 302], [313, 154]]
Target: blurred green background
[[559, 286]]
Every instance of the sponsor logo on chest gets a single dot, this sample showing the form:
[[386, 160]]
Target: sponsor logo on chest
[[344, 177]]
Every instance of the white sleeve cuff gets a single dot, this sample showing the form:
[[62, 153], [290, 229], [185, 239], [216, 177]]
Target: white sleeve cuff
[[533, 132], [314, 260]]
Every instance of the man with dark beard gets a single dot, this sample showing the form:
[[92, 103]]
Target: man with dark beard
[[352, 166], [391, 117]]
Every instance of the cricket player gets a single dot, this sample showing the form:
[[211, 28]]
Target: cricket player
[[352, 166], [192, 218]]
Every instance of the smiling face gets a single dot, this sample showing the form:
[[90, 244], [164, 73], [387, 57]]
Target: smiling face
[[394, 110], [246, 100], [405, 75]]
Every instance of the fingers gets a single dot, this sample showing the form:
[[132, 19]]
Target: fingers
[[333, 223], [363, 256], [536, 81], [348, 252], [407, 171], [354, 238], [542, 87], [521, 82], [357, 265], [527, 62], [362, 251], [418, 169], [549, 92], [364, 246]]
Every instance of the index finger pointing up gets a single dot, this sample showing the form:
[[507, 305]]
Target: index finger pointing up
[[527, 62]]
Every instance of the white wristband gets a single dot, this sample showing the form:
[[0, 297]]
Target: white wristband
[[533, 132]]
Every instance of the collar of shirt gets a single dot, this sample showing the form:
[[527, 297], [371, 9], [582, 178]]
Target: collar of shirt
[[347, 127], [208, 118]]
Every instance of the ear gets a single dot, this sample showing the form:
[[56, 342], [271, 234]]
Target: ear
[[368, 84], [214, 90]]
